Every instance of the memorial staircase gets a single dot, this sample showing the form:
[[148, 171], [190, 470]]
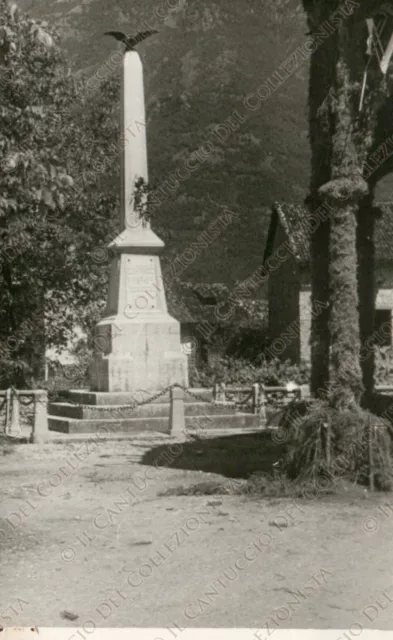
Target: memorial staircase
[[120, 415]]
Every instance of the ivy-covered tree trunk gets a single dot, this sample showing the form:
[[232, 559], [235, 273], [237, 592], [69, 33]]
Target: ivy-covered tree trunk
[[344, 190], [341, 137]]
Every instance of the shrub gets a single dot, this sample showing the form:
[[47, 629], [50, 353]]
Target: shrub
[[310, 455], [237, 371]]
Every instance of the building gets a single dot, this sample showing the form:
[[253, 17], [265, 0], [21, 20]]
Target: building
[[289, 288]]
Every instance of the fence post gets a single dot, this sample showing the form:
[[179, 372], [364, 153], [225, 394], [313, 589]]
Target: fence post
[[7, 410], [255, 397], [262, 406], [328, 445], [40, 433], [304, 391], [370, 456], [177, 423], [220, 392], [14, 428]]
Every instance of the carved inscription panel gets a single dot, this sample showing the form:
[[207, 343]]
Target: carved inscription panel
[[140, 281]]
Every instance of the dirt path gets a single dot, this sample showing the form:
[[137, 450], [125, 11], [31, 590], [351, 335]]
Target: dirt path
[[117, 554]]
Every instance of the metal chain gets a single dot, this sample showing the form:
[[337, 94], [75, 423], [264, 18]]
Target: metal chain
[[190, 393], [244, 401], [150, 399], [127, 406], [155, 396], [26, 403]]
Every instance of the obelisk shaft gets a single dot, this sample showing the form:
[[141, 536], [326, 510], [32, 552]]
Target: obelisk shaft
[[133, 137], [137, 342]]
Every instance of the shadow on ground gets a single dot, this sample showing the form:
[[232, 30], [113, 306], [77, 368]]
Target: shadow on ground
[[236, 456]]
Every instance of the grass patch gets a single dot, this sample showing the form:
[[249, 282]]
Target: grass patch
[[208, 488], [272, 485]]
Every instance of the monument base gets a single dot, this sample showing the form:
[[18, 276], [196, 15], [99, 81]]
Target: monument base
[[142, 353], [106, 413]]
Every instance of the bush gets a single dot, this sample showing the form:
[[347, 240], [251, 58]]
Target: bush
[[239, 372], [310, 455]]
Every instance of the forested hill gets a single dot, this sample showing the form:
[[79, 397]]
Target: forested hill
[[208, 56]]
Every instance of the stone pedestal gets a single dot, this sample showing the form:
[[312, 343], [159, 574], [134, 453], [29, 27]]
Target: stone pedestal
[[137, 343], [142, 354]]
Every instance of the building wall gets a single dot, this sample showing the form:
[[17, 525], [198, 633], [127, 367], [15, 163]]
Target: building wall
[[384, 300], [290, 303], [384, 282], [284, 289]]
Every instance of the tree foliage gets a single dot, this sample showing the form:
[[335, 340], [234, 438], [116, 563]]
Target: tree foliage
[[51, 221]]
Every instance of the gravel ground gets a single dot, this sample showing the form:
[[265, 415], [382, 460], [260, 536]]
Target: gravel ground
[[92, 543]]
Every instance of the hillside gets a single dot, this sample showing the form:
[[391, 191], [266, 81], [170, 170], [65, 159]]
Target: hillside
[[208, 56]]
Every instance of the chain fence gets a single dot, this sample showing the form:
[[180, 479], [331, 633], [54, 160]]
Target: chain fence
[[268, 403]]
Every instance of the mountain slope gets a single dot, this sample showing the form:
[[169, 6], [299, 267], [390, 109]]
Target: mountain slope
[[208, 57]]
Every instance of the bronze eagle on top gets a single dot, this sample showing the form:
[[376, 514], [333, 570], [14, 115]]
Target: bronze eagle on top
[[130, 42]]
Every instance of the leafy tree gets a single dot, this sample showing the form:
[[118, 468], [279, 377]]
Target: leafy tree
[[50, 223]]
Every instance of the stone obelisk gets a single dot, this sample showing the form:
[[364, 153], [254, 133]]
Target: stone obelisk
[[137, 343]]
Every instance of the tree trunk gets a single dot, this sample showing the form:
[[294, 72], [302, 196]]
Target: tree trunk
[[322, 66], [341, 137], [345, 387]]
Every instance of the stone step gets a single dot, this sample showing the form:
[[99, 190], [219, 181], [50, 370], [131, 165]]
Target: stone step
[[158, 424], [99, 398], [153, 410], [139, 447], [141, 442]]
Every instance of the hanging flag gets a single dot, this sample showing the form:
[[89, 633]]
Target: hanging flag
[[387, 56]]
